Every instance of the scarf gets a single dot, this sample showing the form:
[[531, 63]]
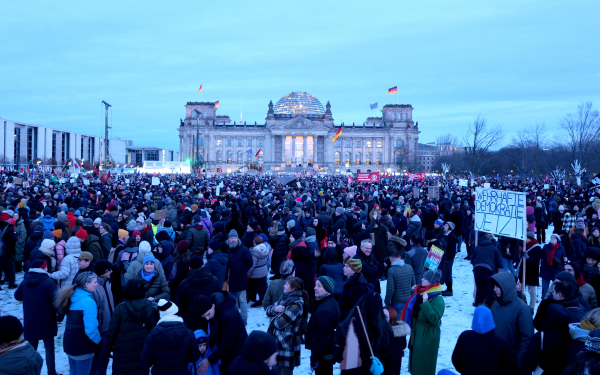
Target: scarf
[[407, 312], [148, 276], [580, 281], [327, 294], [287, 299], [170, 318], [550, 258], [8, 346], [585, 324]]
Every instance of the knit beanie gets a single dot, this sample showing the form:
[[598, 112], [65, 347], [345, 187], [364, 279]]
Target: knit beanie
[[232, 233], [145, 247], [39, 263], [355, 264], [81, 234], [327, 283], [48, 234], [296, 234], [431, 277], [592, 344], [530, 234], [264, 237], [196, 219], [102, 266], [260, 346], [10, 329], [194, 207], [439, 222], [47, 244], [122, 233], [340, 210], [87, 222], [57, 233], [183, 246], [310, 232], [291, 223], [196, 262], [167, 308], [554, 235], [203, 304], [149, 258]]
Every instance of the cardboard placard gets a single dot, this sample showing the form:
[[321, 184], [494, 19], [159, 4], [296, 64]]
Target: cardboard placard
[[18, 181], [433, 258], [463, 182], [416, 192], [155, 181], [501, 212], [160, 214], [47, 182], [433, 192]]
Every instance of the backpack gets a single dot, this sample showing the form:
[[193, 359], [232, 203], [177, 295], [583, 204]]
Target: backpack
[[126, 260]]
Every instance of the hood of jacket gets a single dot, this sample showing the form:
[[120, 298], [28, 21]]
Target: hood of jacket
[[483, 320], [506, 282], [260, 251], [401, 330], [578, 333], [551, 316], [73, 246], [223, 301], [90, 239], [299, 255], [35, 276], [199, 276], [136, 307], [80, 294], [168, 249], [415, 219], [200, 334], [37, 234], [219, 257], [330, 255]]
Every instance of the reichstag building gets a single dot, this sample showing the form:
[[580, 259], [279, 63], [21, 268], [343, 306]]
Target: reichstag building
[[297, 135]]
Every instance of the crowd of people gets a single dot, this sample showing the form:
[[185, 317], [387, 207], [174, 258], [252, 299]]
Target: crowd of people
[[160, 278]]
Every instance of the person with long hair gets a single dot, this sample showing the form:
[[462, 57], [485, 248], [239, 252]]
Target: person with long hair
[[131, 322], [401, 330], [423, 312], [286, 316], [364, 329], [81, 331]]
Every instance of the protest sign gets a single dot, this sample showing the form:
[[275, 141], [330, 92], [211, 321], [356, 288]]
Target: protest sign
[[463, 182], [486, 185], [416, 192], [18, 181], [416, 176], [155, 181], [501, 212], [546, 186], [86, 181], [72, 180], [62, 180], [433, 258], [367, 177], [127, 181], [160, 214], [47, 182], [433, 192], [26, 184]]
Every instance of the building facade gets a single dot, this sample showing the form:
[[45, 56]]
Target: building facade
[[297, 134]]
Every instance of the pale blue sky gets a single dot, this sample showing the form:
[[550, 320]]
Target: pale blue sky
[[515, 62]]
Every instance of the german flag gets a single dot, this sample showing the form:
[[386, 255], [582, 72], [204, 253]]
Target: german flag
[[258, 153], [337, 135], [216, 104], [393, 90], [199, 90]]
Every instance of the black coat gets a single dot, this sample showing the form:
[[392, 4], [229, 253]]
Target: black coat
[[38, 292], [31, 244], [248, 365], [227, 331], [240, 261], [483, 354], [303, 267], [356, 286], [372, 270], [217, 264], [129, 326], [321, 328], [280, 246], [199, 282], [169, 348]]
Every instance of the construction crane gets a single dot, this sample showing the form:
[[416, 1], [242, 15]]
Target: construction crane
[[108, 160]]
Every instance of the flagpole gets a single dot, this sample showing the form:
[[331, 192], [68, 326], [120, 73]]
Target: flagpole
[[396, 96]]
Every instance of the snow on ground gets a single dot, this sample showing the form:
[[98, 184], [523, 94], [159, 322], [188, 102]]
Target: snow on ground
[[457, 318]]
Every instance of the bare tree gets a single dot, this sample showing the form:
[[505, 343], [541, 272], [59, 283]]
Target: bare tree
[[479, 139], [519, 155], [537, 136], [582, 130], [446, 143]]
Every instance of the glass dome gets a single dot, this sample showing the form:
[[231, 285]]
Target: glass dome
[[299, 103]]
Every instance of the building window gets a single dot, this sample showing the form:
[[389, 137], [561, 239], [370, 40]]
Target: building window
[[92, 148], [378, 158], [64, 147], [17, 153], [35, 142], [152, 155], [201, 141], [229, 157], [288, 148], [30, 144], [229, 142], [219, 156], [260, 158], [337, 143], [81, 142], [53, 146], [240, 143], [260, 143], [358, 144], [358, 158], [348, 143], [218, 143], [337, 158], [368, 158], [239, 157], [398, 158], [379, 144], [250, 142], [368, 143], [399, 143], [347, 158], [138, 157]]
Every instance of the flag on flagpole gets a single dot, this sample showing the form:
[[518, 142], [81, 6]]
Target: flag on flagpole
[[54, 173], [350, 180], [407, 210], [199, 90], [393, 90], [216, 104], [373, 106], [249, 151], [258, 153], [337, 135]]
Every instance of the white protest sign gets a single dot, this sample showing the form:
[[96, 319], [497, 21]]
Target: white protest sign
[[72, 180], [486, 185], [501, 212], [86, 181], [463, 182], [155, 180], [47, 182], [61, 180], [299, 185], [127, 181], [546, 186]]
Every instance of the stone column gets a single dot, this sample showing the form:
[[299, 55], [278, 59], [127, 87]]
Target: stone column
[[353, 156], [364, 154], [305, 155], [282, 149], [293, 150]]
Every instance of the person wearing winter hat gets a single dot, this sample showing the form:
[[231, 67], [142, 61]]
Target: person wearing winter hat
[[355, 287], [17, 356], [257, 356], [199, 282], [553, 256], [321, 327], [198, 237], [240, 263], [37, 292], [69, 265], [153, 278], [227, 329], [170, 346], [480, 350], [216, 261], [44, 252], [135, 268]]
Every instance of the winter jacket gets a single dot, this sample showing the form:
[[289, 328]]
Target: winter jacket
[[227, 331], [302, 263], [248, 364], [47, 255], [135, 268], [418, 255], [69, 266], [198, 238], [240, 261], [208, 225], [169, 348], [486, 254], [356, 286], [92, 245], [333, 269], [106, 244], [217, 264], [280, 245], [125, 258], [48, 222], [157, 287], [166, 257], [104, 300], [286, 328], [578, 248], [425, 337], [260, 258], [81, 331], [38, 292], [127, 332], [511, 315], [32, 242], [21, 239], [549, 272], [414, 227], [199, 282], [59, 250], [21, 360], [274, 292], [172, 213], [400, 280], [372, 270], [321, 328]]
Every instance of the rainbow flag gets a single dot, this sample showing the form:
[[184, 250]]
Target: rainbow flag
[[199, 90], [337, 135], [407, 210], [393, 90], [216, 104], [258, 153]]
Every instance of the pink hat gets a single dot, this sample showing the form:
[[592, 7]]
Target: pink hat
[[350, 251]]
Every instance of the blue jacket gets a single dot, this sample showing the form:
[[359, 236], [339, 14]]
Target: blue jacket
[[213, 369], [81, 331], [48, 222], [217, 264]]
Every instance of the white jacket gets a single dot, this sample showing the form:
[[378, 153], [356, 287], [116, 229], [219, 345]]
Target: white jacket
[[69, 266]]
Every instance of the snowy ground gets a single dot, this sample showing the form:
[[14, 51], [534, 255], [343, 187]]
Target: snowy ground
[[457, 318]]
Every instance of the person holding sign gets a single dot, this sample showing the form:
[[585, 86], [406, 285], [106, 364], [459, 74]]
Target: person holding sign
[[423, 312]]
